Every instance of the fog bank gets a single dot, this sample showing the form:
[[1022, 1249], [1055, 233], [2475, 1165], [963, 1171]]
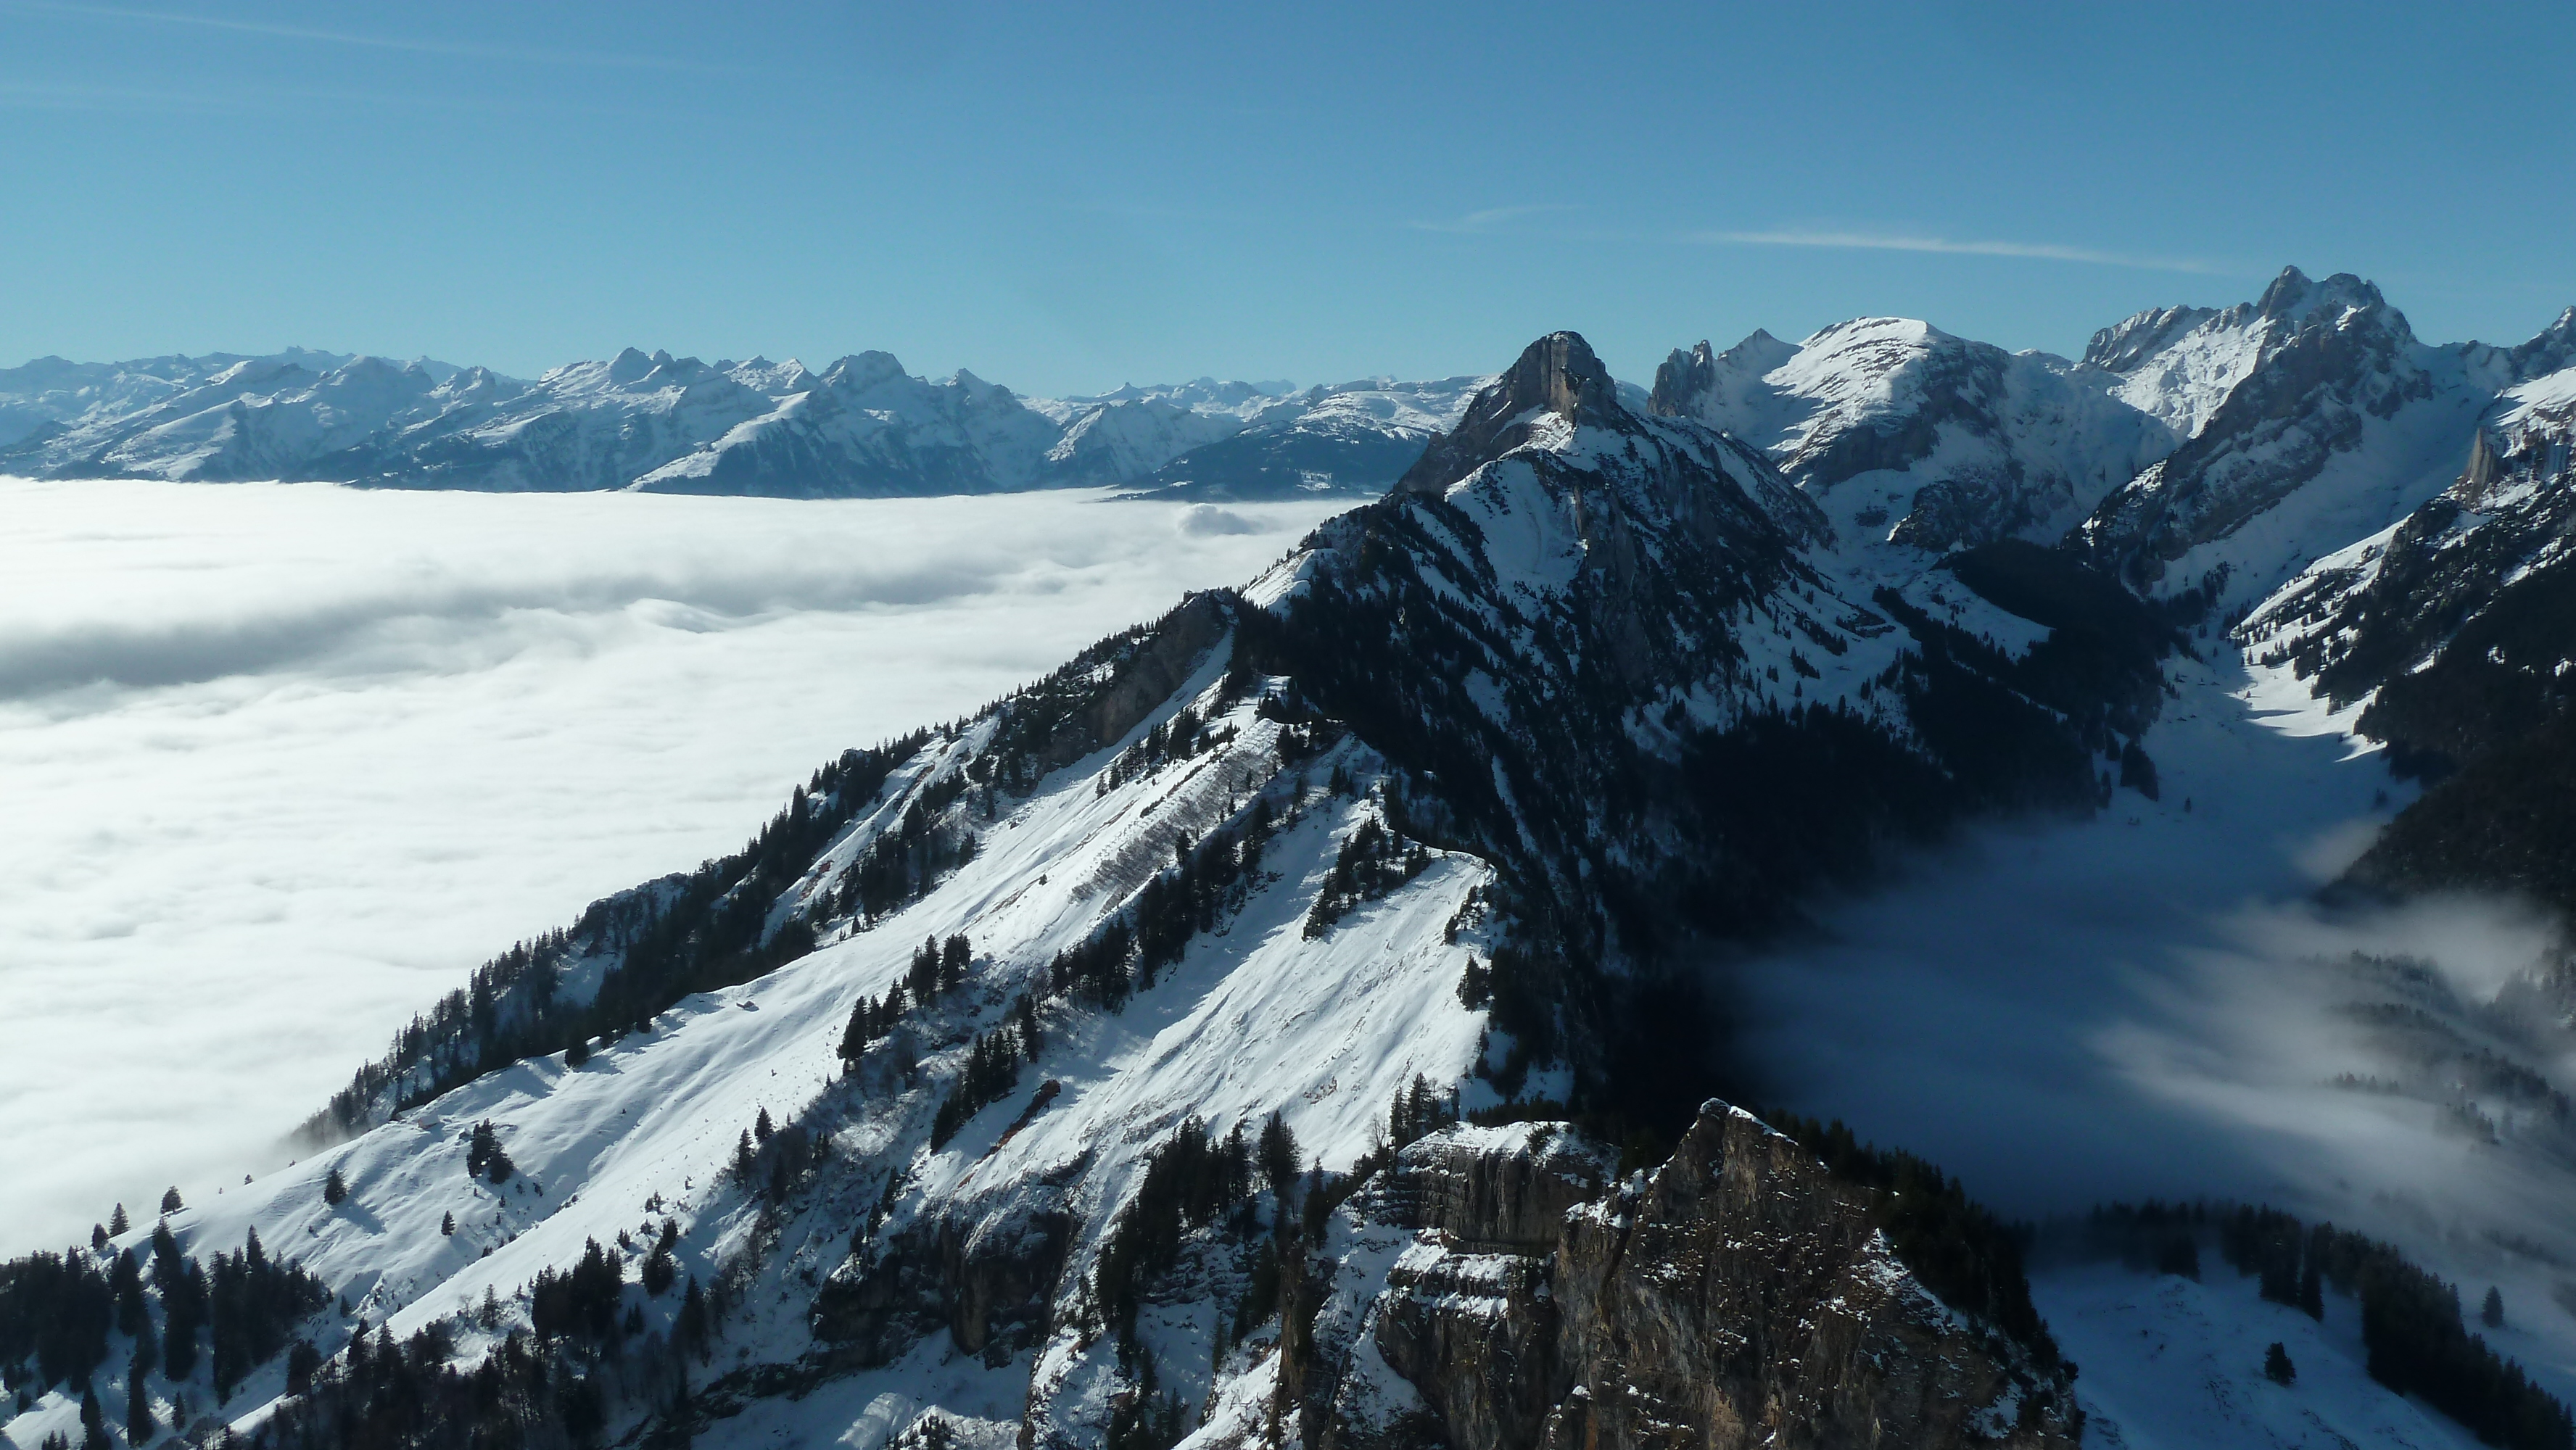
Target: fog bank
[[283, 762]]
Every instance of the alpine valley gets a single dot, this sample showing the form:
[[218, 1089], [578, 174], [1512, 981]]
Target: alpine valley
[[1299, 1020]]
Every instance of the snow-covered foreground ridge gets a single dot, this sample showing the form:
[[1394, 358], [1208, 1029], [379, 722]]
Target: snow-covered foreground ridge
[[983, 1078]]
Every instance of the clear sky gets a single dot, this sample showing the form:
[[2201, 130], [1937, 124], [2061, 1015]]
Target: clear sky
[[1063, 198]]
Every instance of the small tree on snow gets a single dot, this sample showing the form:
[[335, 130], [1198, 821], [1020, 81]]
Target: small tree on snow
[[335, 1189]]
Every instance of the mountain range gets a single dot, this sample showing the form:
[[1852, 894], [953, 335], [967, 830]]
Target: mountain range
[[860, 428], [1288, 1022]]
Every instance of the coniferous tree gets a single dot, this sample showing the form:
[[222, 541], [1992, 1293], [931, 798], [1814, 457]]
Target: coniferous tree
[[661, 1267], [1024, 1015], [117, 1223], [139, 1424], [125, 1280], [335, 1189], [2276, 1364], [862, 1028], [93, 1421], [923, 976], [762, 1128], [170, 1201], [98, 1238], [1277, 1154], [2491, 1313], [447, 1225], [695, 1325], [302, 1359]]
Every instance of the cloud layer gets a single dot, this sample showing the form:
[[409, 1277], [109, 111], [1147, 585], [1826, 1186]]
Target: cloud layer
[[2154, 1004], [284, 761]]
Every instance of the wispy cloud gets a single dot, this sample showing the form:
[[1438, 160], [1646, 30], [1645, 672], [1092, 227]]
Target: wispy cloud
[[406, 44], [1885, 242], [1490, 219]]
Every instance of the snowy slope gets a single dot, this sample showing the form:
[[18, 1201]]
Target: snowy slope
[[1270, 1006], [1354, 437], [2171, 1362], [2315, 417], [1927, 441], [53, 394], [1350, 828]]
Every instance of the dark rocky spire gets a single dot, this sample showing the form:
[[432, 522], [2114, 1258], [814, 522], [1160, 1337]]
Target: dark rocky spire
[[1557, 374]]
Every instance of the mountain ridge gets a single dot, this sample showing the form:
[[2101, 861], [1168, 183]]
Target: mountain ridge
[[1306, 985]]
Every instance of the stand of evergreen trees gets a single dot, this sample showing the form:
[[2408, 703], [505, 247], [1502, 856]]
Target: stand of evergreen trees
[[672, 938], [1206, 880], [992, 1074], [2412, 1331], [233, 1313], [1973, 1260], [1189, 1180], [1371, 863]]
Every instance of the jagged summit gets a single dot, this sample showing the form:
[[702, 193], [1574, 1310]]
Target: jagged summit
[[2293, 297], [2125, 344], [1555, 377]]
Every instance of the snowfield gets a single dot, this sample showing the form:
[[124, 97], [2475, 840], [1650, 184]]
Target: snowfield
[[284, 761]]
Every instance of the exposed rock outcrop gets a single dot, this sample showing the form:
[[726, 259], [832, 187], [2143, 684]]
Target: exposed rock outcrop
[[987, 1279], [1486, 1293]]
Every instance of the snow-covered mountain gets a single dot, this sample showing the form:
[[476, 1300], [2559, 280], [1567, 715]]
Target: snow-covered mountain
[[1326, 853], [1283, 1024], [862, 427], [2318, 417], [2451, 636], [52, 392], [1928, 440], [2189, 449], [1356, 437]]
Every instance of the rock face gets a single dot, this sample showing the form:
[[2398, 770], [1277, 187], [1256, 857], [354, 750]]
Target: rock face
[[1487, 1293], [1557, 380], [985, 1273], [1958, 442]]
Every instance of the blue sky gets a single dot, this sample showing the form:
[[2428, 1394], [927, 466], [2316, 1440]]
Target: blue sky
[[1063, 200]]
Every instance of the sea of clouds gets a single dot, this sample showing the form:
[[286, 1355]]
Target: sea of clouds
[[283, 762], [2160, 1003]]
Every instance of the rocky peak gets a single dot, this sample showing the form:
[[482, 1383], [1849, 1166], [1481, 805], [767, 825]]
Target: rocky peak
[[2295, 300], [2126, 344], [1557, 376], [2549, 350], [861, 371], [1702, 383], [628, 366], [1684, 378], [1530, 1302]]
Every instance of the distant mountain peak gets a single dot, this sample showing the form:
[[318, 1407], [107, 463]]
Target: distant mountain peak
[[1557, 376], [2125, 345], [2296, 299]]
